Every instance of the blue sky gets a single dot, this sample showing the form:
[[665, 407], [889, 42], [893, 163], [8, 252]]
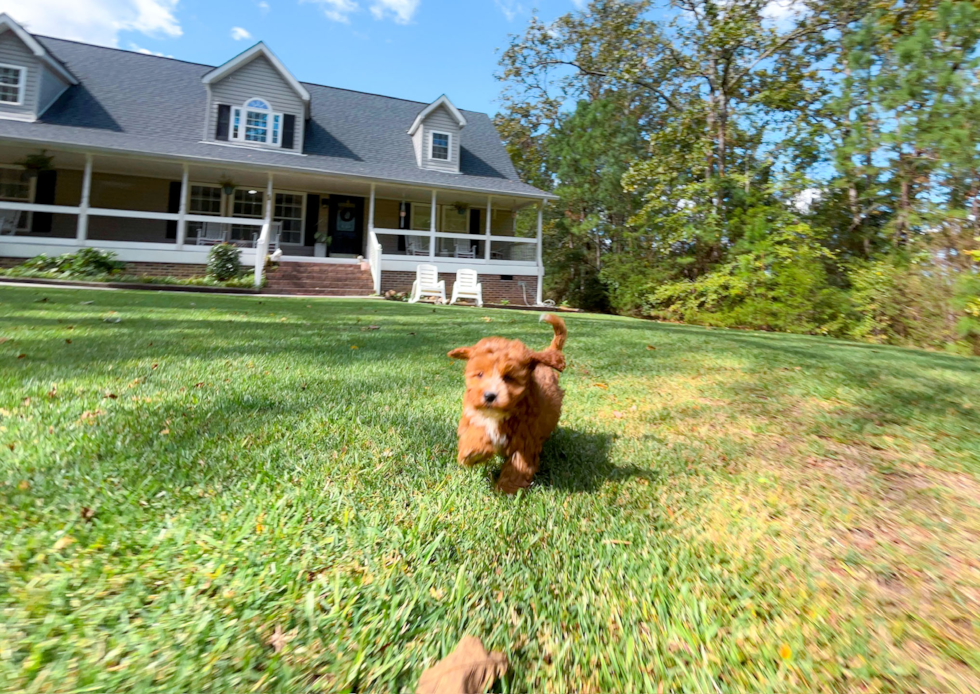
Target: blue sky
[[415, 49]]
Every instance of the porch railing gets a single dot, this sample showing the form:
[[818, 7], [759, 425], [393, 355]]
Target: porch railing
[[471, 248], [267, 235], [374, 260]]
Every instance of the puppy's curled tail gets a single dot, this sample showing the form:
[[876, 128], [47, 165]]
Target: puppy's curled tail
[[558, 341]]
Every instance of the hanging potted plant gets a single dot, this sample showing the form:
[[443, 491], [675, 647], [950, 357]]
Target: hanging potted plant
[[227, 185], [34, 164], [460, 207]]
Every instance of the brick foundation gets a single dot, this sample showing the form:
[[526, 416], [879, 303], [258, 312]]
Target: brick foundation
[[494, 288], [178, 270]]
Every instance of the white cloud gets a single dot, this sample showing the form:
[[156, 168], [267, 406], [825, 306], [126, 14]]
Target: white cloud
[[336, 10], [264, 6], [238, 33], [510, 8], [805, 199], [401, 11], [95, 21], [147, 51], [783, 13]]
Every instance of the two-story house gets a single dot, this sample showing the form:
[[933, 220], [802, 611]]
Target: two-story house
[[157, 159]]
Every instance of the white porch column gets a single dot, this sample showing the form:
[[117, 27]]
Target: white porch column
[[182, 210], [486, 251], [538, 297], [432, 228], [371, 210], [262, 247], [81, 232]]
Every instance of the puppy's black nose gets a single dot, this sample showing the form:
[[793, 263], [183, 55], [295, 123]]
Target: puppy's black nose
[[489, 397]]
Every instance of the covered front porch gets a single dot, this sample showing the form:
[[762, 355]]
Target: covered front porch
[[170, 212]]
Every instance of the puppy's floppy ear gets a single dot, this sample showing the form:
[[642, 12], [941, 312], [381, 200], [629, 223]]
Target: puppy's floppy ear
[[460, 353], [551, 357]]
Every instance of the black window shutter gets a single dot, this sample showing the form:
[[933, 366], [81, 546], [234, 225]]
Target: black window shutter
[[312, 218], [173, 206], [224, 121], [403, 223], [475, 222], [44, 195], [288, 130]]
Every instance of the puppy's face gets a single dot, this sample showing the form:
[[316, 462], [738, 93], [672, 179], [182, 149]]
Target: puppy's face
[[497, 374]]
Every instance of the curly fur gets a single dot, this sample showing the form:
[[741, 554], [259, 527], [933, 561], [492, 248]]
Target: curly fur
[[511, 404]]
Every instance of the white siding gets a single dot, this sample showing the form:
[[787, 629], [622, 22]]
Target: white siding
[[14, 52], [417, 144], [257, 79], [440, 121], [52, 86]]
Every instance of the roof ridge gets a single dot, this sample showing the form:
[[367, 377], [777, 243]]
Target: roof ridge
[[122, 50], [214, 67]]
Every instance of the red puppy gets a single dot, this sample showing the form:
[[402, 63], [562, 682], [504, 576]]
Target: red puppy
[[512, 403]]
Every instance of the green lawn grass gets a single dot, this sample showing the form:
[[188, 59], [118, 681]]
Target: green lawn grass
[[250, 494]]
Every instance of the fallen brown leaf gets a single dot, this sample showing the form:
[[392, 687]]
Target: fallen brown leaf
[[63, 541], [87, 513]]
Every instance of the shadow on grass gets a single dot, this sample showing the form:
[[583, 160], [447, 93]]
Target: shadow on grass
[[577, 462]]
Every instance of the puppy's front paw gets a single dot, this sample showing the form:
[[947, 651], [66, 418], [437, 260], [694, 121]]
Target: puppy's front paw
[[468, 459], [511, 480]]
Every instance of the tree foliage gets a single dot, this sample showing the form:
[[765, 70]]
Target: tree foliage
[[810, 167]]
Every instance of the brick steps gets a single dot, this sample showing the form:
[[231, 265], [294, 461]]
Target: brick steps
[[319, 279]]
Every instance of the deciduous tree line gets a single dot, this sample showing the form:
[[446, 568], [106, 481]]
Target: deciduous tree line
[[808, 166]]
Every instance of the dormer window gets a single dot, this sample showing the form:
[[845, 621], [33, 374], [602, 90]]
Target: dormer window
[[256, 122], [439, 146], [11, 85]]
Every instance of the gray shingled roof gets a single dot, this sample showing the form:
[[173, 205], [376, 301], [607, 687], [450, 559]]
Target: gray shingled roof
[[140, 103]]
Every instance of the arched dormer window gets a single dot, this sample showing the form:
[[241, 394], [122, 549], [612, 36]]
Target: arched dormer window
[[256, 122]]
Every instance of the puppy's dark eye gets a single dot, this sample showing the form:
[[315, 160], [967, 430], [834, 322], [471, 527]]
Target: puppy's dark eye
[[509, 379], [479, 374]]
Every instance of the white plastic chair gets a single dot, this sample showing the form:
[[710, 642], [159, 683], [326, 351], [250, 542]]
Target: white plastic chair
[[465, 248], [467, 286], [427, 283]]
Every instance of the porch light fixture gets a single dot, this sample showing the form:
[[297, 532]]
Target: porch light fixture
[[252, 192]]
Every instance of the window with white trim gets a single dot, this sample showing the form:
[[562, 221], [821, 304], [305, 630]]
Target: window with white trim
[[421, 217], [439, 146], [256, 122], [12, 84], [246, 202], [16, 187], [289, 213], [204, 200]]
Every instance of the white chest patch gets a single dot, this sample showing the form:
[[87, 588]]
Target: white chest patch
[[492, 427]]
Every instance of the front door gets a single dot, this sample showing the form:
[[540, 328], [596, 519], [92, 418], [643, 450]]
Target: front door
[[346, 225]]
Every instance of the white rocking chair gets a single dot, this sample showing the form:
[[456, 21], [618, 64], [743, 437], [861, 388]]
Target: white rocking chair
[[467, 286], [464, 248], [211, 234], [427, 283], [413, 247], [9, 219]]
